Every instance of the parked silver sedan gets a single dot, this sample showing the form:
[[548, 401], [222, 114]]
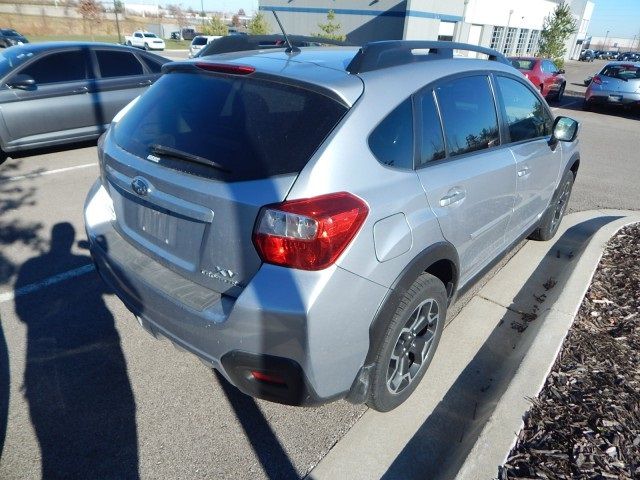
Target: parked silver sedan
[[618, 84]]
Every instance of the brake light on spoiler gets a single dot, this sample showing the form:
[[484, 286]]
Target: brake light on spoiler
[[229, 68]]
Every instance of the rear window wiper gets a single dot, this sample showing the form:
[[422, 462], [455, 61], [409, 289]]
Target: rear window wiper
[[189, 157]]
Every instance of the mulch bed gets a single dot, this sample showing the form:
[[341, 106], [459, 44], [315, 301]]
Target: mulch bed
[[585, 423]]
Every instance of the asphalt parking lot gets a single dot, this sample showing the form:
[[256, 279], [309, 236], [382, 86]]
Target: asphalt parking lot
[[91, 395]]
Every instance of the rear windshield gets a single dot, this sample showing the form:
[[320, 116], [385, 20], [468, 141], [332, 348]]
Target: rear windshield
[[252, 128], [523, 64], [199, 41], [623, 72]]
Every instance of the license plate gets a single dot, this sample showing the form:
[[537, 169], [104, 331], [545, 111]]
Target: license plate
[[615, 98], [158, 225]]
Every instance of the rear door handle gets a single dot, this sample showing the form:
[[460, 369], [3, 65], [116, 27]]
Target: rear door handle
[[523, 172], [81, 90], [454, 195]]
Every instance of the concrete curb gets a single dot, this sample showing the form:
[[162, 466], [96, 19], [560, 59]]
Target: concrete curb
[[463, 418], [500, 433]]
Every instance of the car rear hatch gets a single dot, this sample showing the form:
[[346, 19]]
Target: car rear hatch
[[622, 78], [195, 158]]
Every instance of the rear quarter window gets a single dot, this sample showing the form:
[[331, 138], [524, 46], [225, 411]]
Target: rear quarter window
[[392, 140]]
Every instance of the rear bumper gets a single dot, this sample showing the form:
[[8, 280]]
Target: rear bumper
[[603, 97], [306, 327]]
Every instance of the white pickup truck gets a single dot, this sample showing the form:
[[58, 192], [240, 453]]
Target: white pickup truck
[[146, 40]]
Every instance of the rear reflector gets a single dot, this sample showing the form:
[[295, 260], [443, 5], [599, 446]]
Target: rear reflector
[[597, 80], [308, 234], [268, 377], [226, 68]]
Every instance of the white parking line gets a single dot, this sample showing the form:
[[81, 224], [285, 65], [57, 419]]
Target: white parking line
[[34, 287], [46, 172]]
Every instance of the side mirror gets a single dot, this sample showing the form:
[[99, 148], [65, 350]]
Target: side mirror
[[22, 81], [565, 129], [560, 72]]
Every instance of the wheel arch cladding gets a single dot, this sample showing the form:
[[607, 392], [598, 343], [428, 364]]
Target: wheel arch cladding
[[439, 260]]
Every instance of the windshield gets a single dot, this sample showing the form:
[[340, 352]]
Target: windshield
[[523, 64], [150, 35], [623, 72], [250, 128], [11, 58]]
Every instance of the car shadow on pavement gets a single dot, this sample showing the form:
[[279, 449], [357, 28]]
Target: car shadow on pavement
[[265, 444], [442, 443], [80, 400]]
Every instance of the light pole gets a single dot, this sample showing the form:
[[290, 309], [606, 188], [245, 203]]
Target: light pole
[[506, 34], [116, 8], [604, 46]]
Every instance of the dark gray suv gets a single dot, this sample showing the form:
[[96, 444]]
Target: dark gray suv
[[303, 223]]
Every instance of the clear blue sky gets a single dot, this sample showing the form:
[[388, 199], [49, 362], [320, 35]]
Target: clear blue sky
[[620, 17]]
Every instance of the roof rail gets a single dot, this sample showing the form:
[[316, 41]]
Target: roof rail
[[389, 53]]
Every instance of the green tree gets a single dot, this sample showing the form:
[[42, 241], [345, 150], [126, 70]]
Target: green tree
[[258, 25], [215, 26], [330, 29], [556, 29]]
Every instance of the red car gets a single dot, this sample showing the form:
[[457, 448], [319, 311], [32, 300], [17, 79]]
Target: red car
[[544, 74]]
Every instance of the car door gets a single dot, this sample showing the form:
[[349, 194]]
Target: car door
[[470, 181], [120, 77], [528, 125], [58, 106]]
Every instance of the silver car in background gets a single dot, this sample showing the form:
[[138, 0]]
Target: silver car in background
[[304, 222], [617, 84]]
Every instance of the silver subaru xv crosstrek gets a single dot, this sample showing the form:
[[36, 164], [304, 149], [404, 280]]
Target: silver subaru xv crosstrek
[[301, 220]]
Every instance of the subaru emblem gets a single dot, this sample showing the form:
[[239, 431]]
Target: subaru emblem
[[140, 186]]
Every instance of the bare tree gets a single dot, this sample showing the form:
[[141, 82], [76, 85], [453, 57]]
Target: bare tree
[[235, 21], [242, 13], [91, 12], [178, 13]]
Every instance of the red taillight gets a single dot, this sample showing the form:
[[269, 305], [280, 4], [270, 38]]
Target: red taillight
[[226, 68], [309, 234], [597, 80]]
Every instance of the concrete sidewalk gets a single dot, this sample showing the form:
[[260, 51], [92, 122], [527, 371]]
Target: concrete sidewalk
[[463, 418]]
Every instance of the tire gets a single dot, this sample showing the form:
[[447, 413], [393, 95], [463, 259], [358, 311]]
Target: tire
[[415, 329], [146, 46], [586, 106], [552, 218], [558, 96], [128, 43], [3, 157]]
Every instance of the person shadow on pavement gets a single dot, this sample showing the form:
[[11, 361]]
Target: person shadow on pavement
[[76, 384]]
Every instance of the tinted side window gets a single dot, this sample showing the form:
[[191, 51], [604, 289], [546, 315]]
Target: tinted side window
[[432, 143], [468, 114], [58, 67], [118, 64], [152, 65], [526, 116], [392, 140]]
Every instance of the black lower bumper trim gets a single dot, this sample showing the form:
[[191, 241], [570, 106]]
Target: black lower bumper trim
[[294, 391]]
